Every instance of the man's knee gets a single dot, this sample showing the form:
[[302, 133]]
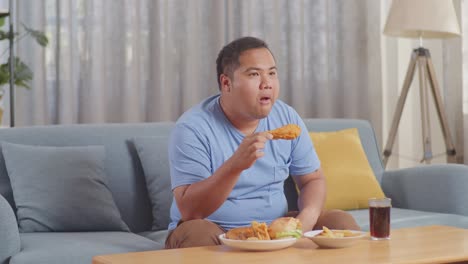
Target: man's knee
[[194, 233], [336, 219]]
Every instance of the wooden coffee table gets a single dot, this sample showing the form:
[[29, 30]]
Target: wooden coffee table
[[428, 244]]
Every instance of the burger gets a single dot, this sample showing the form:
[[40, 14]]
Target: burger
[[285, 227]]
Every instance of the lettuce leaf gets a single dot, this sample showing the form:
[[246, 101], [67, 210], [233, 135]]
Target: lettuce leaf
[[295, 233]]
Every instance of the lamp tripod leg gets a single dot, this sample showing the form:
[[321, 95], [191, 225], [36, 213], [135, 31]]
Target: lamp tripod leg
[[399, 108], [451, 152], [425, 122]]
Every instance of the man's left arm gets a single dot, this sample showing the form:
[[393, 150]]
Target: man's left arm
[[311, 197]]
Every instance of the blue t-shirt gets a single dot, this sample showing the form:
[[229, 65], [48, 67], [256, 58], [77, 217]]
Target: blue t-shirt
[[203, 139]]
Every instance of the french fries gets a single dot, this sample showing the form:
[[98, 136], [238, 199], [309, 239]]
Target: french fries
[[336, 233]]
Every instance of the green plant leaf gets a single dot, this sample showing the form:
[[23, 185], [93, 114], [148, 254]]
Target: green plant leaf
[[23, 73], [4, 74], [39, 36], [22, 84], [3, 35], [2, 21]]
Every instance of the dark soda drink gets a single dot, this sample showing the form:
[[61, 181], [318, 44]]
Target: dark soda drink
[[379, 221]]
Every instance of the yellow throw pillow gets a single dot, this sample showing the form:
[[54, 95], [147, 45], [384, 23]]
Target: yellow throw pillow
[[350, 179]]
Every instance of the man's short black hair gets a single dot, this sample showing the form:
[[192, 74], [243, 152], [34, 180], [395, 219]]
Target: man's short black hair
[[228, 58]]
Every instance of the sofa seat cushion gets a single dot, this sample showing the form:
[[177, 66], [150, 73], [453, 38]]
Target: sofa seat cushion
[[157, 236], [79, 248], [401, 218]]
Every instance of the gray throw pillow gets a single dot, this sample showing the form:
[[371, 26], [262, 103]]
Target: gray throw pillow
[[152, 152], [61, 189]]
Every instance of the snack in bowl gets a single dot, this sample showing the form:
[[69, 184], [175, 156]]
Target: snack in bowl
[[328, 238], [337, 233], [290, 131]]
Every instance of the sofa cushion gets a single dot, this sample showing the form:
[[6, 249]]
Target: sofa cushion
[[78, 247], [350, 179], [157, 236], [152, 152], [61, 188], [9, 234]]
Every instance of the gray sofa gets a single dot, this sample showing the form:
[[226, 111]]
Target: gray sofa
[[434, 194]]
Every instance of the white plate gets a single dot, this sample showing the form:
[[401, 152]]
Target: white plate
[[329, 242], [258, 245]]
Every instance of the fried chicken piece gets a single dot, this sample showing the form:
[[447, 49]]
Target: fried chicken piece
[[241, 233], [290, 131]]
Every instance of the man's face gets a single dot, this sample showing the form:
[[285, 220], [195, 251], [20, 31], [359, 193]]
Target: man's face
[[254, 86]]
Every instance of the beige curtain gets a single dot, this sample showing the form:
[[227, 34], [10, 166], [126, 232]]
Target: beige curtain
[[463, 122], [151, 60]]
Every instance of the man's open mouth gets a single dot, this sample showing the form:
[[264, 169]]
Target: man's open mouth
[[265, 99]]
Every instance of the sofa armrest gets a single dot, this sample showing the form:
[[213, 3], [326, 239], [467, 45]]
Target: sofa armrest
[[433, 188], [9, 234]]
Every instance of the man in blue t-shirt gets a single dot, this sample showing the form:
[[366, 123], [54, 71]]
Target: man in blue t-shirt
[[226, 170]]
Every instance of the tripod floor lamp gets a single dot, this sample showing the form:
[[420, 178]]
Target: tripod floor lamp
[[422, 19]]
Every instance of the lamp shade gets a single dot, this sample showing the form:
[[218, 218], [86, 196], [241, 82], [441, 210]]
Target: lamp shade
[[422, 18]]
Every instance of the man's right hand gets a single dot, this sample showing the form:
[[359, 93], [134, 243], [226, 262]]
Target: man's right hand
[[200, 199], [250, 149]]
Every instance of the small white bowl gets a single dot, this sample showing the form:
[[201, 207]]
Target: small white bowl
[[331, 242]]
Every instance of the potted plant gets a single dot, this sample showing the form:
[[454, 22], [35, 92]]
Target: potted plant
[[22, 72]]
